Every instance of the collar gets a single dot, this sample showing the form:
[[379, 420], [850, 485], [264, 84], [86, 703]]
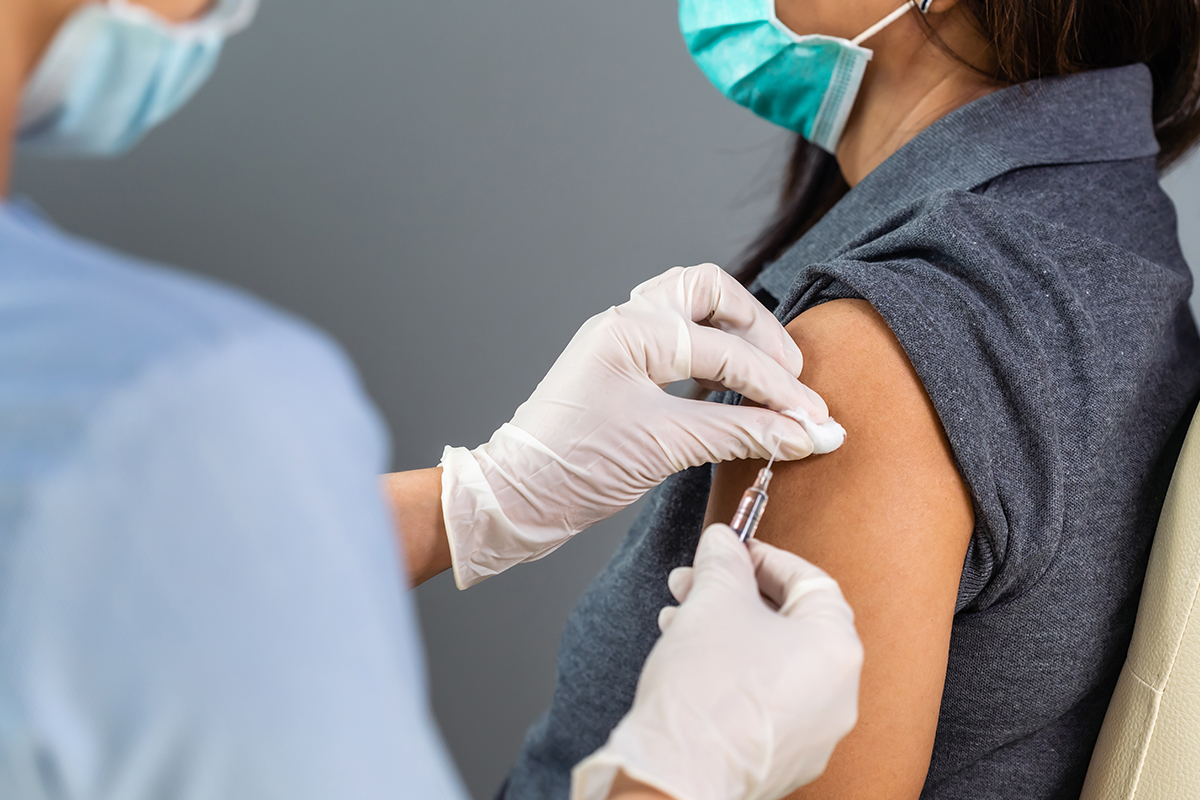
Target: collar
[[1089, 117]]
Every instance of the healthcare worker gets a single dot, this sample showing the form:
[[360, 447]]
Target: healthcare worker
[[199, 592]]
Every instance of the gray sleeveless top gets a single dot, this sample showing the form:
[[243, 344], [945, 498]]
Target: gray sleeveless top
[[1027, 260]]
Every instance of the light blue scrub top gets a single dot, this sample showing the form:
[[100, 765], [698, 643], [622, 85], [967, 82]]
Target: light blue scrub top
[[199, 591]]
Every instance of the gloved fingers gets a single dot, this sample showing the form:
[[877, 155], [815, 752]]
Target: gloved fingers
[[718, 299], [796, 586], [680, 583], [736, 364], [709, 295], [666, 616], [722, 564], [716, 432]]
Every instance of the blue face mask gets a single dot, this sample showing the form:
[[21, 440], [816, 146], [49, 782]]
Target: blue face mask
[[807, 84], [115, 70]]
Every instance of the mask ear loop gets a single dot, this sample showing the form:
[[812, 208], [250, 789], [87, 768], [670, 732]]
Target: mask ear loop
[[922, 6]]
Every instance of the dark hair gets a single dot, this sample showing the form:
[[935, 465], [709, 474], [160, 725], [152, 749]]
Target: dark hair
[[1032, 39]]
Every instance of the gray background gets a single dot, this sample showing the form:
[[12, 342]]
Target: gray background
[[451, 188]]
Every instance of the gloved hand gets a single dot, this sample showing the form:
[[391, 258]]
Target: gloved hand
[[599, 431], [738, 700]]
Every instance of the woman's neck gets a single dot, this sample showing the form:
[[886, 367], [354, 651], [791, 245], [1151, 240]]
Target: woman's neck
[[911, 83]]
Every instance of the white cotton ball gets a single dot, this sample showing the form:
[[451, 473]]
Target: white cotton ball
[[826, 437]]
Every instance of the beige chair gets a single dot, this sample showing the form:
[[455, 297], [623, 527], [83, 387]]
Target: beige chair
[[1149, 746]]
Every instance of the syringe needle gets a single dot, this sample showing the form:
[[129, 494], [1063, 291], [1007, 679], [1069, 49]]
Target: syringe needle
[[774, 453]]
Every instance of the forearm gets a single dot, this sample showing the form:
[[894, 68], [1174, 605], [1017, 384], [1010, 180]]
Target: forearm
[[626, 788], [415, 498]]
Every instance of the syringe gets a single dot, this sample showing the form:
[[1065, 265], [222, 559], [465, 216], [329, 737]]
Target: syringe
[[752, 505]]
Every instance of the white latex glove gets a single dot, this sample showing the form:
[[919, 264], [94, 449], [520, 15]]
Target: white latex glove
[[738, 700], [599, 431]]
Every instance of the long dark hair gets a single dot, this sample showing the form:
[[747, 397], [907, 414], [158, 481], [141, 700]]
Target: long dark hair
[[1032, 39]]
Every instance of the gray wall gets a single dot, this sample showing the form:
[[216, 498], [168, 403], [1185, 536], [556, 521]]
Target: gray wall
[[450, 188]]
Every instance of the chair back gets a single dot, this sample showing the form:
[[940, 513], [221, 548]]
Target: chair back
[[1149, 745]]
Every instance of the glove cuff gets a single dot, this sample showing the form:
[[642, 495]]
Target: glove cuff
[[472, 515], [683, 766], [484, 538], [592, 778]]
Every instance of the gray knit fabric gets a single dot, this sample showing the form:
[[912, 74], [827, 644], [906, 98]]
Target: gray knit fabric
[[1027, 260]]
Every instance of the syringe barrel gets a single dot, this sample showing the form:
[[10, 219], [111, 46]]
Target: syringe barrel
[[749, 512], [752, 505]]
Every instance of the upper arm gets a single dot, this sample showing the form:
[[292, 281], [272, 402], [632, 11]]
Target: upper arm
[[890, 518]]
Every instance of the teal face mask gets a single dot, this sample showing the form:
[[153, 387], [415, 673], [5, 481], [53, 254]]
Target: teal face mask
[[115, 70], [807, 84]]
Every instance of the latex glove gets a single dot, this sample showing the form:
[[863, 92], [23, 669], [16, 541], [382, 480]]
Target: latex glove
[[737, 700], [599, 431]]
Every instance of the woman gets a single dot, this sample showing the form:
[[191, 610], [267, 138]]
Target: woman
[[986, 282], [200, 594]]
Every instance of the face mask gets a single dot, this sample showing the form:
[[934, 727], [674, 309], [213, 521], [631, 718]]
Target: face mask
[[115, 70], [807, 84]]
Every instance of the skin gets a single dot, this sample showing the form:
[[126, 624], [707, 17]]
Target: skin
[[627, 788], [910, 82], [888, 514], [415, 498]]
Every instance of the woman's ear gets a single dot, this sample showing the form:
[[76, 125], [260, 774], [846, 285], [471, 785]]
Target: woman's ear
[[936, 6]]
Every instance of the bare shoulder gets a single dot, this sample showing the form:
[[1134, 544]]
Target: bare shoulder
[[889, 517]]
